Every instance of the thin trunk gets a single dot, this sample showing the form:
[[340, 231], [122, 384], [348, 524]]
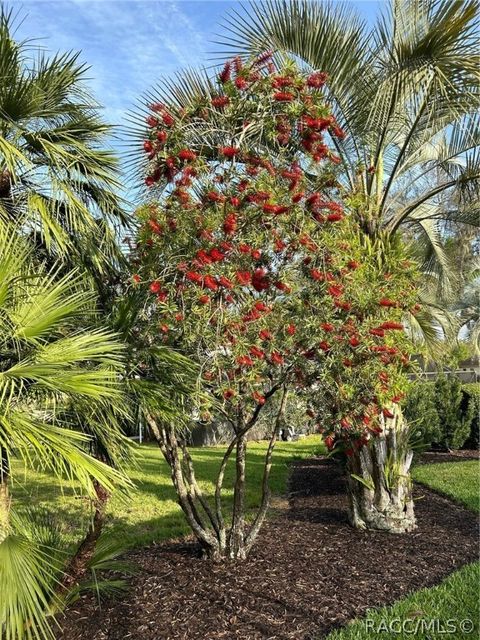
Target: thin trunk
[[265, 502], [237, 531], [169, 447], [5, 499], [78, 566], [379, 483]]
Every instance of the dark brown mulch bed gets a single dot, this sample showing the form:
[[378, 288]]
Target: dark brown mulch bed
[[309, 572], [458, 455]]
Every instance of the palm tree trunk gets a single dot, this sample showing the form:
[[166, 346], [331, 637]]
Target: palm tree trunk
[[78, 565], [378, 481]]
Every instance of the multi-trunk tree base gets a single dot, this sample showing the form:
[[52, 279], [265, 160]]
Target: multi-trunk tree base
[[378, 481]]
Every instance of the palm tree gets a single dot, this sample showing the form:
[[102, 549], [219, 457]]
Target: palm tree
[[406, 95], [49, 367], [57, 181]]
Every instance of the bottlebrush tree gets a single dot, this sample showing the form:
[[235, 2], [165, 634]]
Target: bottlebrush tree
[[242, 244]]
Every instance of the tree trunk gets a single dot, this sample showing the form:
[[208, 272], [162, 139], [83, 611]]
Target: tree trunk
[[237, 550], [78, 565], [379, 483]]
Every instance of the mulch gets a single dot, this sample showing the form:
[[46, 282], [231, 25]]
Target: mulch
[[309, 572], [459, 455]]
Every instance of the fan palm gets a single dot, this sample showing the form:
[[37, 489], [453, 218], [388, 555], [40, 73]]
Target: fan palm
[[56, 179], [48, 367], [405, 93]]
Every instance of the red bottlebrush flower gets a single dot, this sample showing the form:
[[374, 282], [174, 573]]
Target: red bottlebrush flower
[[179, 317], [147, 146], [162, 136], [345, 423], [210, 283], [155, 227], [229, 298], [383, 376], [225, 75], [317, 275], [391, 326], [316, 80], [149, 181], [214, 196], [216, 255], [329, 442], [229, 152], [291, 329], [136, 278], [354, 341], [259, 399], [241, 83], [347, 362], [398, 398], [164, 328], [257, 353], [220, 101], [386, 302], [204, 299], [387, 413], [326, 326], [228, 394], [155, 286], [203, 257], [244, 248], [256, 254], [282, 286], [245, 361], [277, 357], [298, 196], [282, 81], [338, 132], [335, 290], [377, 332], [235, 202], [324, 346], [193, 276], [353, 264], [168, 119], [335, 217], [230, 224], [258, 197], [276, 209], [283, 96], [260, 281], [243, 277], [279, 245], [264, 334], [151, 121], [225, 282], [343, 304], [187, 154], [261, 306]]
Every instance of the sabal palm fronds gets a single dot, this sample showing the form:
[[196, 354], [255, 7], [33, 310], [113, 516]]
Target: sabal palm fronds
[[57, 180], [405, 92], [48, 366]]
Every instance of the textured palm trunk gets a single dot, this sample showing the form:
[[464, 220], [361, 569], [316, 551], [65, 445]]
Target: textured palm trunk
[[379, 483], [78, 566]]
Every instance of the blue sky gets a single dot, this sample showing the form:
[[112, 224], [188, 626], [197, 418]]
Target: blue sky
[[130, 44]]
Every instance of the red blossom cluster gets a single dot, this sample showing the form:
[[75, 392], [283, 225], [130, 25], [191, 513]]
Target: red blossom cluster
[[256, 272]]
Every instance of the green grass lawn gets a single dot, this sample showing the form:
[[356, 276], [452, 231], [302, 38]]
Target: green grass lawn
[[458, 480], [151, 513], [448, 604]]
